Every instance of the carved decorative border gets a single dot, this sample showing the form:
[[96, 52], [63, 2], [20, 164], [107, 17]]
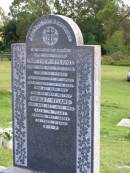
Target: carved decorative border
[[84, 112], [19, 104]]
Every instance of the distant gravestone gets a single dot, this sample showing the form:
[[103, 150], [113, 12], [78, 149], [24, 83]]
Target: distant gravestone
[[128, 76], [55, 100], [124, 123]]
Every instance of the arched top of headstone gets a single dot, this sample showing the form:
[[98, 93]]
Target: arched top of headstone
[[54, 31]]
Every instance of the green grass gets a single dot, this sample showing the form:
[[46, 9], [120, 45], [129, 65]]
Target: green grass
[[5, 75], [115, 105], [5, 107], [5, 95], [5, 157]]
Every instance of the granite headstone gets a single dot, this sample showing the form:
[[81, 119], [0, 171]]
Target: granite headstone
[[56, 93]]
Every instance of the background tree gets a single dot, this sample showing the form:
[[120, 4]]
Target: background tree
[[115, 43], [99, 20], [25, 12], [93, 17], [4, 20], [9, 34]]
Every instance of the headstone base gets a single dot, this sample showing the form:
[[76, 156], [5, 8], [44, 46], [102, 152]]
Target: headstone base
[[18, 170]]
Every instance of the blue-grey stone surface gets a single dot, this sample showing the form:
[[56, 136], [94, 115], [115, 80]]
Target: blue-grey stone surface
[[56, 99]]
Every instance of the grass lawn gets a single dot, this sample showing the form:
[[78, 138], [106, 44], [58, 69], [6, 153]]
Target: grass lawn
[[5, 157], [5, 107], [5, 95], [115, 105]]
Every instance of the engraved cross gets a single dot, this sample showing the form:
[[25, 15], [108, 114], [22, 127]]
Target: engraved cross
[[50, 34]]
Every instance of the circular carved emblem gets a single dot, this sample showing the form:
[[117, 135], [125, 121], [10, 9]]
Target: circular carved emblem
[[50, 36]]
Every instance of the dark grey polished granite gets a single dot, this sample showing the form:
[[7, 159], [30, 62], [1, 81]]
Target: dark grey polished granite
[[55, 100]]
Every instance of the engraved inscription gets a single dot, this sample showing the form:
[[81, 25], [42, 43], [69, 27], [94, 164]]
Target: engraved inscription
[[52, 117], [51, 84], [51, 22], [50, 50], [51, 87], [51, 94], [50, 61], [50, 100], [49, 73], [50, 106], [45, 55], [54, 68], [48, 111], [51, 79]]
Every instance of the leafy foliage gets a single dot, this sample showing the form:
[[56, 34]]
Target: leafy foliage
[[115, 43], [9, 34], [25, 12], [104, 22]]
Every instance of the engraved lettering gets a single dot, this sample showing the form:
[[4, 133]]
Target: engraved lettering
[[51, 94], [50, 50], [48, 73], [44, 55], [49, 106], [46, 111], [50, 100], [50, 79], [61, 123], [50, 61], [48, 22], [50, 127], [51, 84], [51, 89], [55, 117], [54, 68]]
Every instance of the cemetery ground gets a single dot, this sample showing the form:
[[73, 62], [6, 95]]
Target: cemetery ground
[[115, 105], [5, 107]]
